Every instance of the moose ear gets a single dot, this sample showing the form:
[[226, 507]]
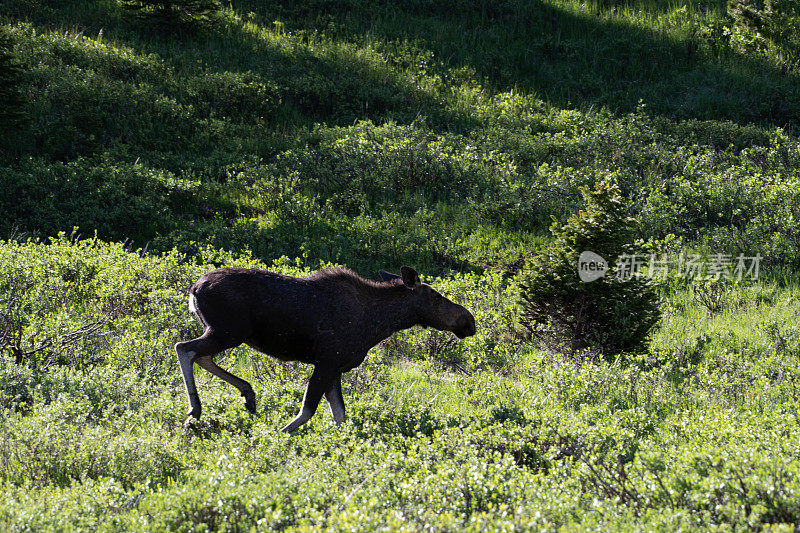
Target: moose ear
[[388, 276], [410, 277]]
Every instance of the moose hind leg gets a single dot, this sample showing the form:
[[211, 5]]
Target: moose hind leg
[[244, 387], [190, 351], [186, 357], [319, 382], [335, 400]]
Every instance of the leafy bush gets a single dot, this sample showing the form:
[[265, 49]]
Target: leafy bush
[[237, 96], [117, 201], [614, 313], [737, 201], [767, 26], [79, 304], [176, 15]]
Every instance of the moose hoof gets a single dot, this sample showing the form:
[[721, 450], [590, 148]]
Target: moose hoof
[[194, 412], [192, 417], [190, 424], [250, 402]]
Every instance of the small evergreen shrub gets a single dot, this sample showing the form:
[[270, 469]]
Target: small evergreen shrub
[[612, 314]]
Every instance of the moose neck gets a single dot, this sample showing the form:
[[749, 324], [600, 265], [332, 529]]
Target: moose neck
[[390, 312]]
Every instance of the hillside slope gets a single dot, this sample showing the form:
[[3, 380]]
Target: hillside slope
[[444, 135]]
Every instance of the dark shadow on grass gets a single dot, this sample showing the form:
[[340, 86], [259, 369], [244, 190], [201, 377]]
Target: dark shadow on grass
[[119, 202], [569, 59], [655, 6], [320, 240], [279, 87], [330, 84]]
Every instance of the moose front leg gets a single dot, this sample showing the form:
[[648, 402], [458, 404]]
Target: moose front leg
[[335, 399], [319, 382]]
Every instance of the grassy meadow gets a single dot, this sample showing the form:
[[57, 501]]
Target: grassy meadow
[[445, 135]]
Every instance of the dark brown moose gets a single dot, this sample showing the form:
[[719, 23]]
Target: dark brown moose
[[329, 319]]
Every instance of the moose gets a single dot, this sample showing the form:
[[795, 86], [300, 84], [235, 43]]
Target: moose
[[329, 319]]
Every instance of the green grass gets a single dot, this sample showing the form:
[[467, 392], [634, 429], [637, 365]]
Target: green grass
[[444, 135]]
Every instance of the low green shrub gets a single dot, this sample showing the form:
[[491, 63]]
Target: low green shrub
[[766, 27]]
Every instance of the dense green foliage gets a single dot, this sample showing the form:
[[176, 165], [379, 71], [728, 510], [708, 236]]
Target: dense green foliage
[[702, 430], [614, 313], [180, 16], [446, 135], [12, 101], [770, 28]]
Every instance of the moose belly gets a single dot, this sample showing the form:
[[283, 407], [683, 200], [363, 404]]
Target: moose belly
[[284, 346]]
